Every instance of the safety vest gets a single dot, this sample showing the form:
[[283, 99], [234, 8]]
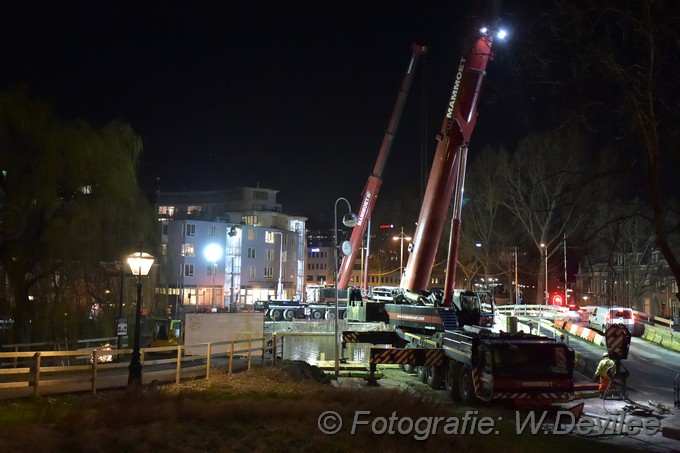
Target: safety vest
[[605, 367]]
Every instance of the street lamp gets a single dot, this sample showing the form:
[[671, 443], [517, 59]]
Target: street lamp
[[213, 252], [401, 237], [140, 264], [349, 220], [545, 290]]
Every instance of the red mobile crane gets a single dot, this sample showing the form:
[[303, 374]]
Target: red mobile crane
[[417, 307], [439, 333]]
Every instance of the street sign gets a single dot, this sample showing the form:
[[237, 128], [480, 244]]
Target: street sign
[[617, 338], [122, 327]]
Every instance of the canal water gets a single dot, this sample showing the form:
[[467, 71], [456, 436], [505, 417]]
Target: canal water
[[313, 341]]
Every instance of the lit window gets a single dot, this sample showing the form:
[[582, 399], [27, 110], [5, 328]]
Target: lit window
[[249, 219], [188, 250]]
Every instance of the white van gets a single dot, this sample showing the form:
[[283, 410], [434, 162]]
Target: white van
[[603, 317]]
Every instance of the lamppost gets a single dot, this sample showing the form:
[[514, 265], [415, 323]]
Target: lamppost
[[545, 289], [349, 220], [213, 252], [401, 237], [140, 264]]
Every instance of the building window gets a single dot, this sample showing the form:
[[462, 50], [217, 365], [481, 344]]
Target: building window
[[252, 235], [258, 207], [284, 256], [251, 271], [270, 255], [188, 250], [166, 210], [189, 229], [210, 269], [268, 272], [164, 229], [259, 195], [194, 209], [310, 278], [214, 231], [164, 248], [188, 270], [249, 219], [251, 253]]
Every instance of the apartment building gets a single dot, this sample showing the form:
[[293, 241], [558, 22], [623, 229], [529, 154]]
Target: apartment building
[[224, 250]]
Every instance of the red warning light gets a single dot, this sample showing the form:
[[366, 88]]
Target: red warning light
[[557, 299], [386, 227]]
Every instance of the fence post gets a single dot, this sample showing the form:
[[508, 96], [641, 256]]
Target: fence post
[[94, 373], [274, 349], [36, 376], [231, 356], [264, 342], [250, 351], [207, 363], [178, 369]]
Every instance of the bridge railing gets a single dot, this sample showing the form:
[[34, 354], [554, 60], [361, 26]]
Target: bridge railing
[[533, 311]]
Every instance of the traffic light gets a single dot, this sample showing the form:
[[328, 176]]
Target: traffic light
[[557, 299]]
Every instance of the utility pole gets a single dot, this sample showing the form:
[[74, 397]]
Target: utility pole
[[516, 279], [566, 292]]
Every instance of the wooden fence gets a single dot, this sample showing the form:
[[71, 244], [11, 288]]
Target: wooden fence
[[33, 373]]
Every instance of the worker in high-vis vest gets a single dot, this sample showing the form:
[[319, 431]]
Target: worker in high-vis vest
[[605, 371]]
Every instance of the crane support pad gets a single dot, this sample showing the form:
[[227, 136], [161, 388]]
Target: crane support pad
[[413, 356]]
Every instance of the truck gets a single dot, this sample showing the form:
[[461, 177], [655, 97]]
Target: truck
[[319, 304], [438, 331]]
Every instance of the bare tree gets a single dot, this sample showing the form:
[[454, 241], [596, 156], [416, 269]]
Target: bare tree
[[636, 46], [547, 188], [486, 231]]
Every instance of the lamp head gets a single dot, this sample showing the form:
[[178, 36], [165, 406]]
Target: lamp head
[[140, 263], [349, 220]]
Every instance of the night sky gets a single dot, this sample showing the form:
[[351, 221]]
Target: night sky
[[293, 95]]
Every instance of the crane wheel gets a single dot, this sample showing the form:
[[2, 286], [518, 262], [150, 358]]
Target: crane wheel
[[275, 314], [421, 371], [451, 380], [434, 376], [466, 386]]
